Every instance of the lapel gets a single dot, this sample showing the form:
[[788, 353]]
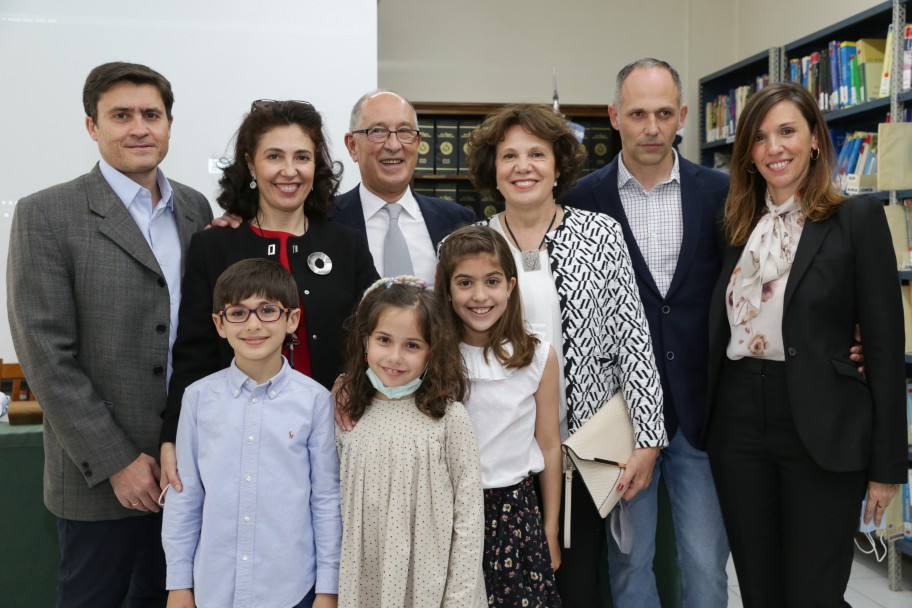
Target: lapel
[[613, 207], [691, 217], [348, 211], [117, 224], [431, 216], [188, 221], [718, 317], [811, 239]]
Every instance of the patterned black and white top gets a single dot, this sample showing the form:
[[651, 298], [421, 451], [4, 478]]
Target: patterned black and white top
[[606, 341]]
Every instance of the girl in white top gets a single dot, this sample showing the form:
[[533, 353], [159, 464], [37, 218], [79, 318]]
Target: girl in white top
[[513, 405]]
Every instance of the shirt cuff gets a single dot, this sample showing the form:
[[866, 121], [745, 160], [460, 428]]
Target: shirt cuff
[[179, 577], [327, 581]]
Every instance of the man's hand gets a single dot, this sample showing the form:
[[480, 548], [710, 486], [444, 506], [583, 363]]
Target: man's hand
[[856, 353], [326, 600], [169, 467], [226, 221], [638, 473], [136, 485], [181, 598], [879, 497]]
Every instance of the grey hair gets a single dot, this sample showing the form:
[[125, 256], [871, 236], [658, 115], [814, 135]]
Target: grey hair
[[645, 63], [354, 121]]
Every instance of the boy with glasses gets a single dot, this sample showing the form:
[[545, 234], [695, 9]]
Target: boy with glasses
[[258, 521]]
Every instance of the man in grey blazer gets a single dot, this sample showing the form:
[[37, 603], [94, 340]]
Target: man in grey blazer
[[93, 287]]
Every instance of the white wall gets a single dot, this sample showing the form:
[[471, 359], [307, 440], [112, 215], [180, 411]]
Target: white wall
[[503, 50], [218, 55]]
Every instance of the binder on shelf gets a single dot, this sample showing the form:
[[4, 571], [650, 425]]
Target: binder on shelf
[[907, 59], [424, 187], [446, 190], [601, 151], [870, 66], [447, 140], [466, 127], [426, 147], [468, 197]]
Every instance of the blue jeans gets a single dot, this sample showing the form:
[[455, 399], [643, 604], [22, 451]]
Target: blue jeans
[[699, 533]]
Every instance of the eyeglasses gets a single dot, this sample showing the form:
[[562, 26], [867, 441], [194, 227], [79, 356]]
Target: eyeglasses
[[379, 135], [268, 104], [267, 313]]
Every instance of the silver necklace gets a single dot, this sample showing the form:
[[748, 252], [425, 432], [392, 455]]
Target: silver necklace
[[531, 260]]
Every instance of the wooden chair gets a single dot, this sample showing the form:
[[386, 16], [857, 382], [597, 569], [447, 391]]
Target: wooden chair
[[13, 372]]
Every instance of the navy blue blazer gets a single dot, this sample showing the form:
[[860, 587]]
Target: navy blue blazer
[[440, 217], [678, 322]]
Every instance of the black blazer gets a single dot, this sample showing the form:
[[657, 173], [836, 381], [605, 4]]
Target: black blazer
[[327, 300], [678, 322], [440, 217], [844, 273]]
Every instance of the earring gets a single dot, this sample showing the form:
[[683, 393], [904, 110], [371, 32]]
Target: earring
[[253, 183], [752, 165], [815, 153], [555, 183]]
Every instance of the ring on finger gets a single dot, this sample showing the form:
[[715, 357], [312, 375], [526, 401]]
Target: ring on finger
[[134, 504]]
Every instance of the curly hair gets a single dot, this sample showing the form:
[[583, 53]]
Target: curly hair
[[817, 195], [471, 241], [238, 198], [445, 380], [540, 120]]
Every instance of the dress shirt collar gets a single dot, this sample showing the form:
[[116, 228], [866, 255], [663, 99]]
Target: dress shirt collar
[[238, 380], [624, 174], [127, 190], [371, 203]]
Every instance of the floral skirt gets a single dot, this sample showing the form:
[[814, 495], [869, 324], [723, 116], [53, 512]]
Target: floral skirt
[[517, 564]]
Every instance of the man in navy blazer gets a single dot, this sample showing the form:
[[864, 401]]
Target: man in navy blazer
[[386, 169], [667, 208]]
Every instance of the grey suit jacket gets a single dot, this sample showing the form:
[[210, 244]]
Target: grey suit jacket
[[89, 310]]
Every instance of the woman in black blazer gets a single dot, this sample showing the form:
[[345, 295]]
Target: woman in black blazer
[[280, 184], [796, 436]]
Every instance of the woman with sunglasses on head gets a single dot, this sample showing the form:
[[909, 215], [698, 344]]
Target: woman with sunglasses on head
[[280, 184]]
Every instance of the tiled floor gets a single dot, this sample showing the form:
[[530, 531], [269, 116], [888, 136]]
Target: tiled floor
[[868, 587]]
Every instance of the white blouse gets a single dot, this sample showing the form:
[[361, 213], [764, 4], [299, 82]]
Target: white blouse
[[501, 406]]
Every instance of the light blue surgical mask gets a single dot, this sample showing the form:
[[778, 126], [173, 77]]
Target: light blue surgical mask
[[395, 392]]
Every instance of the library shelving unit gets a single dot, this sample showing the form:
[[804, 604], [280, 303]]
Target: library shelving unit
[[441, 170], [745, 72], [870, 23]]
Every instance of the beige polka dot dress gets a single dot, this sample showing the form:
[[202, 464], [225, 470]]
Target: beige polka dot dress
[[412, 509]]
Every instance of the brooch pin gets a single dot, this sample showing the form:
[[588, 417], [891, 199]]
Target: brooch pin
[[319, 263]]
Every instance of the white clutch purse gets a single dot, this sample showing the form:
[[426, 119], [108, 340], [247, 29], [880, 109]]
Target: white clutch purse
[[599, 450]]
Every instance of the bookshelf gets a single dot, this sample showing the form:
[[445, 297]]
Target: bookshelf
[[862, 116], [445, 127]]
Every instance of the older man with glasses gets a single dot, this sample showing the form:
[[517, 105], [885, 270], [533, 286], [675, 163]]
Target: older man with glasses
[[403, 227]]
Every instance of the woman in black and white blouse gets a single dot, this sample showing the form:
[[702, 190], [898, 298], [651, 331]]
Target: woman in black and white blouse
[[578, 290]]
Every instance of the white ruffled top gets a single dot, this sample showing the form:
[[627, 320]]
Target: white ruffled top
[[502, 409]]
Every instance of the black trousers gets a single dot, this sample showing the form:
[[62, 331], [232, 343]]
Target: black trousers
[[104, 562], [578, 576], [790, 523]]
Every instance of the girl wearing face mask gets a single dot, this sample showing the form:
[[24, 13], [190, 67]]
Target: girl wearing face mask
[[410, 478]]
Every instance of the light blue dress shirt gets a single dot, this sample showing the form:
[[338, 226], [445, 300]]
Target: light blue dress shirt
[[159, 228], [258, 521]]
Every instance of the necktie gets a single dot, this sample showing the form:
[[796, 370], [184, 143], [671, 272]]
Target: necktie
[[396, 259]]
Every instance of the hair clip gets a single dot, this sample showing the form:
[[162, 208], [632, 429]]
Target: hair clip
[[402, 279]]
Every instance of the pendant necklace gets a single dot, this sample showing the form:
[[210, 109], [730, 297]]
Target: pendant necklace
[[531, 260]]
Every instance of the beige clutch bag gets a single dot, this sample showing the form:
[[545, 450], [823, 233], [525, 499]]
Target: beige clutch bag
[[599, 450]]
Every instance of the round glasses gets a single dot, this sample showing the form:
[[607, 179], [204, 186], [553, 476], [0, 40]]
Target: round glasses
[[379, 135], [267, 313]]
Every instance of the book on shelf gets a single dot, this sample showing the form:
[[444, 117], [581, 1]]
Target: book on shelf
[[870, 66], [723, 112], [446, 158], [426, 147], [856, 163], [465, 127], [446, 190], [601, 150], [907, 58], [887, 64]]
